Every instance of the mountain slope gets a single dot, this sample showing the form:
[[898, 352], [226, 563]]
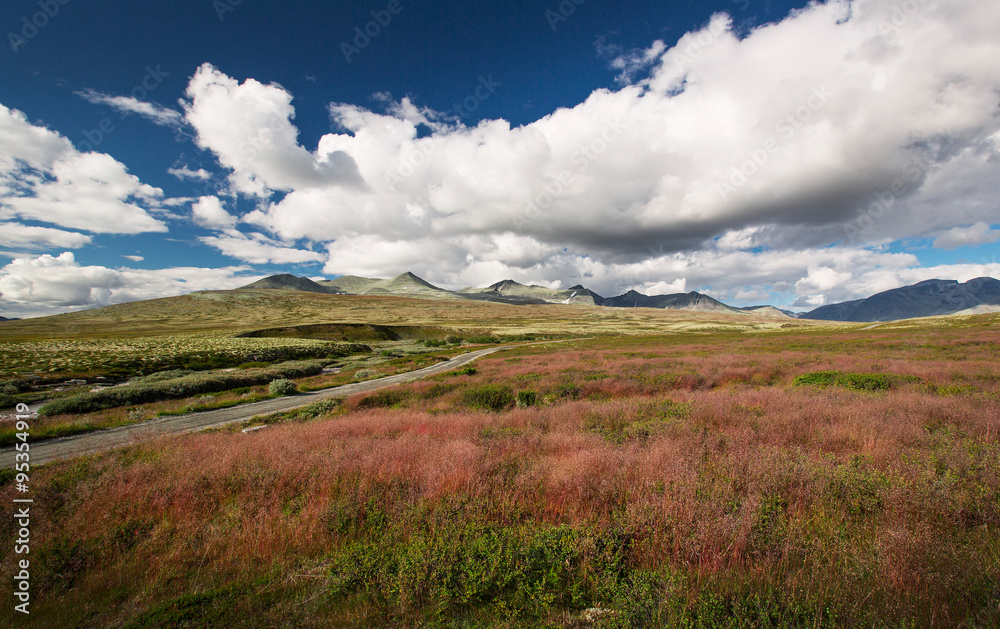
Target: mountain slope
[[351, 284], [679, 301], [287, 282], [926, 299], [769, 311], [509, 291]]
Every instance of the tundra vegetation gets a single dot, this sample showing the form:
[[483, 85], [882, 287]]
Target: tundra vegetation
[[817, 477]]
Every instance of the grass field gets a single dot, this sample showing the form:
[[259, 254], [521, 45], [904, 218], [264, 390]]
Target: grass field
[[816, 477]]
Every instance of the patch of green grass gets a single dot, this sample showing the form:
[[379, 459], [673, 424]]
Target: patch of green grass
[[384, 398], [490, 397], [619, 426], [853, 381]]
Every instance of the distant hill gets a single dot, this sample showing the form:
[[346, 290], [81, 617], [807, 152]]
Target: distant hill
[[287, 282], [509, 291], [403, 285], [350, 284], [926, 299], [679, 301], [769, 311]]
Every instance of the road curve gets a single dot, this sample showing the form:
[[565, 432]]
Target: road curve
[[89, 443]]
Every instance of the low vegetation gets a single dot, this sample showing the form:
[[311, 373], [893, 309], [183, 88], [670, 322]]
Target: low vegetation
[[181, 387], [846, 479]]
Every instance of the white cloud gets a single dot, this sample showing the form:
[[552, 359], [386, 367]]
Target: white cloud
[[186, 173], [978, 234], [865, 120], [157, 114], [134, 258], [208, 212], [248, 127], [43, 178], [259, 249], [32, 237], [52, 284]]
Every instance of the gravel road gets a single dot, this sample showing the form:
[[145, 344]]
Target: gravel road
[[82, 445]]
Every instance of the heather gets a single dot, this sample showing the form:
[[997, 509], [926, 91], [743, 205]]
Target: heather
[[668, 481]]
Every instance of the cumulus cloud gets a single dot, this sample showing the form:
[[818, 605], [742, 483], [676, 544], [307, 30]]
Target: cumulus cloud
[[48, 284], [850, 124], [978, 234], [208, 212], [43, 178], [163, 116], [259, 249], [248, 127]]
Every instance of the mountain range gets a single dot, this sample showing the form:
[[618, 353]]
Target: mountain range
[[929, 298], [926, 299], [506, 291]]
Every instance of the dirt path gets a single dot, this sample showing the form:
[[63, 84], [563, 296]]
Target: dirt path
[[81, 445]]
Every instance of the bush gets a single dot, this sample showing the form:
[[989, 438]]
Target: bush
[[178, 388], [283, 387], [526, 398], [253, 365], [383, 399], [492, 397], [367, 374], [466, 371], [853, 381]]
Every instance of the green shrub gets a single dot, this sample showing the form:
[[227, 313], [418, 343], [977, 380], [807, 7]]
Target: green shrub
[[526, 398], [253, 365], [383, 398], [367, 374], [161, 376], [283, 387], [491, 397], [853, 381], [186, 386], [465, 371]]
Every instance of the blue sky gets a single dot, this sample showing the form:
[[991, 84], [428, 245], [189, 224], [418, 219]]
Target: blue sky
[[759, 151]]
